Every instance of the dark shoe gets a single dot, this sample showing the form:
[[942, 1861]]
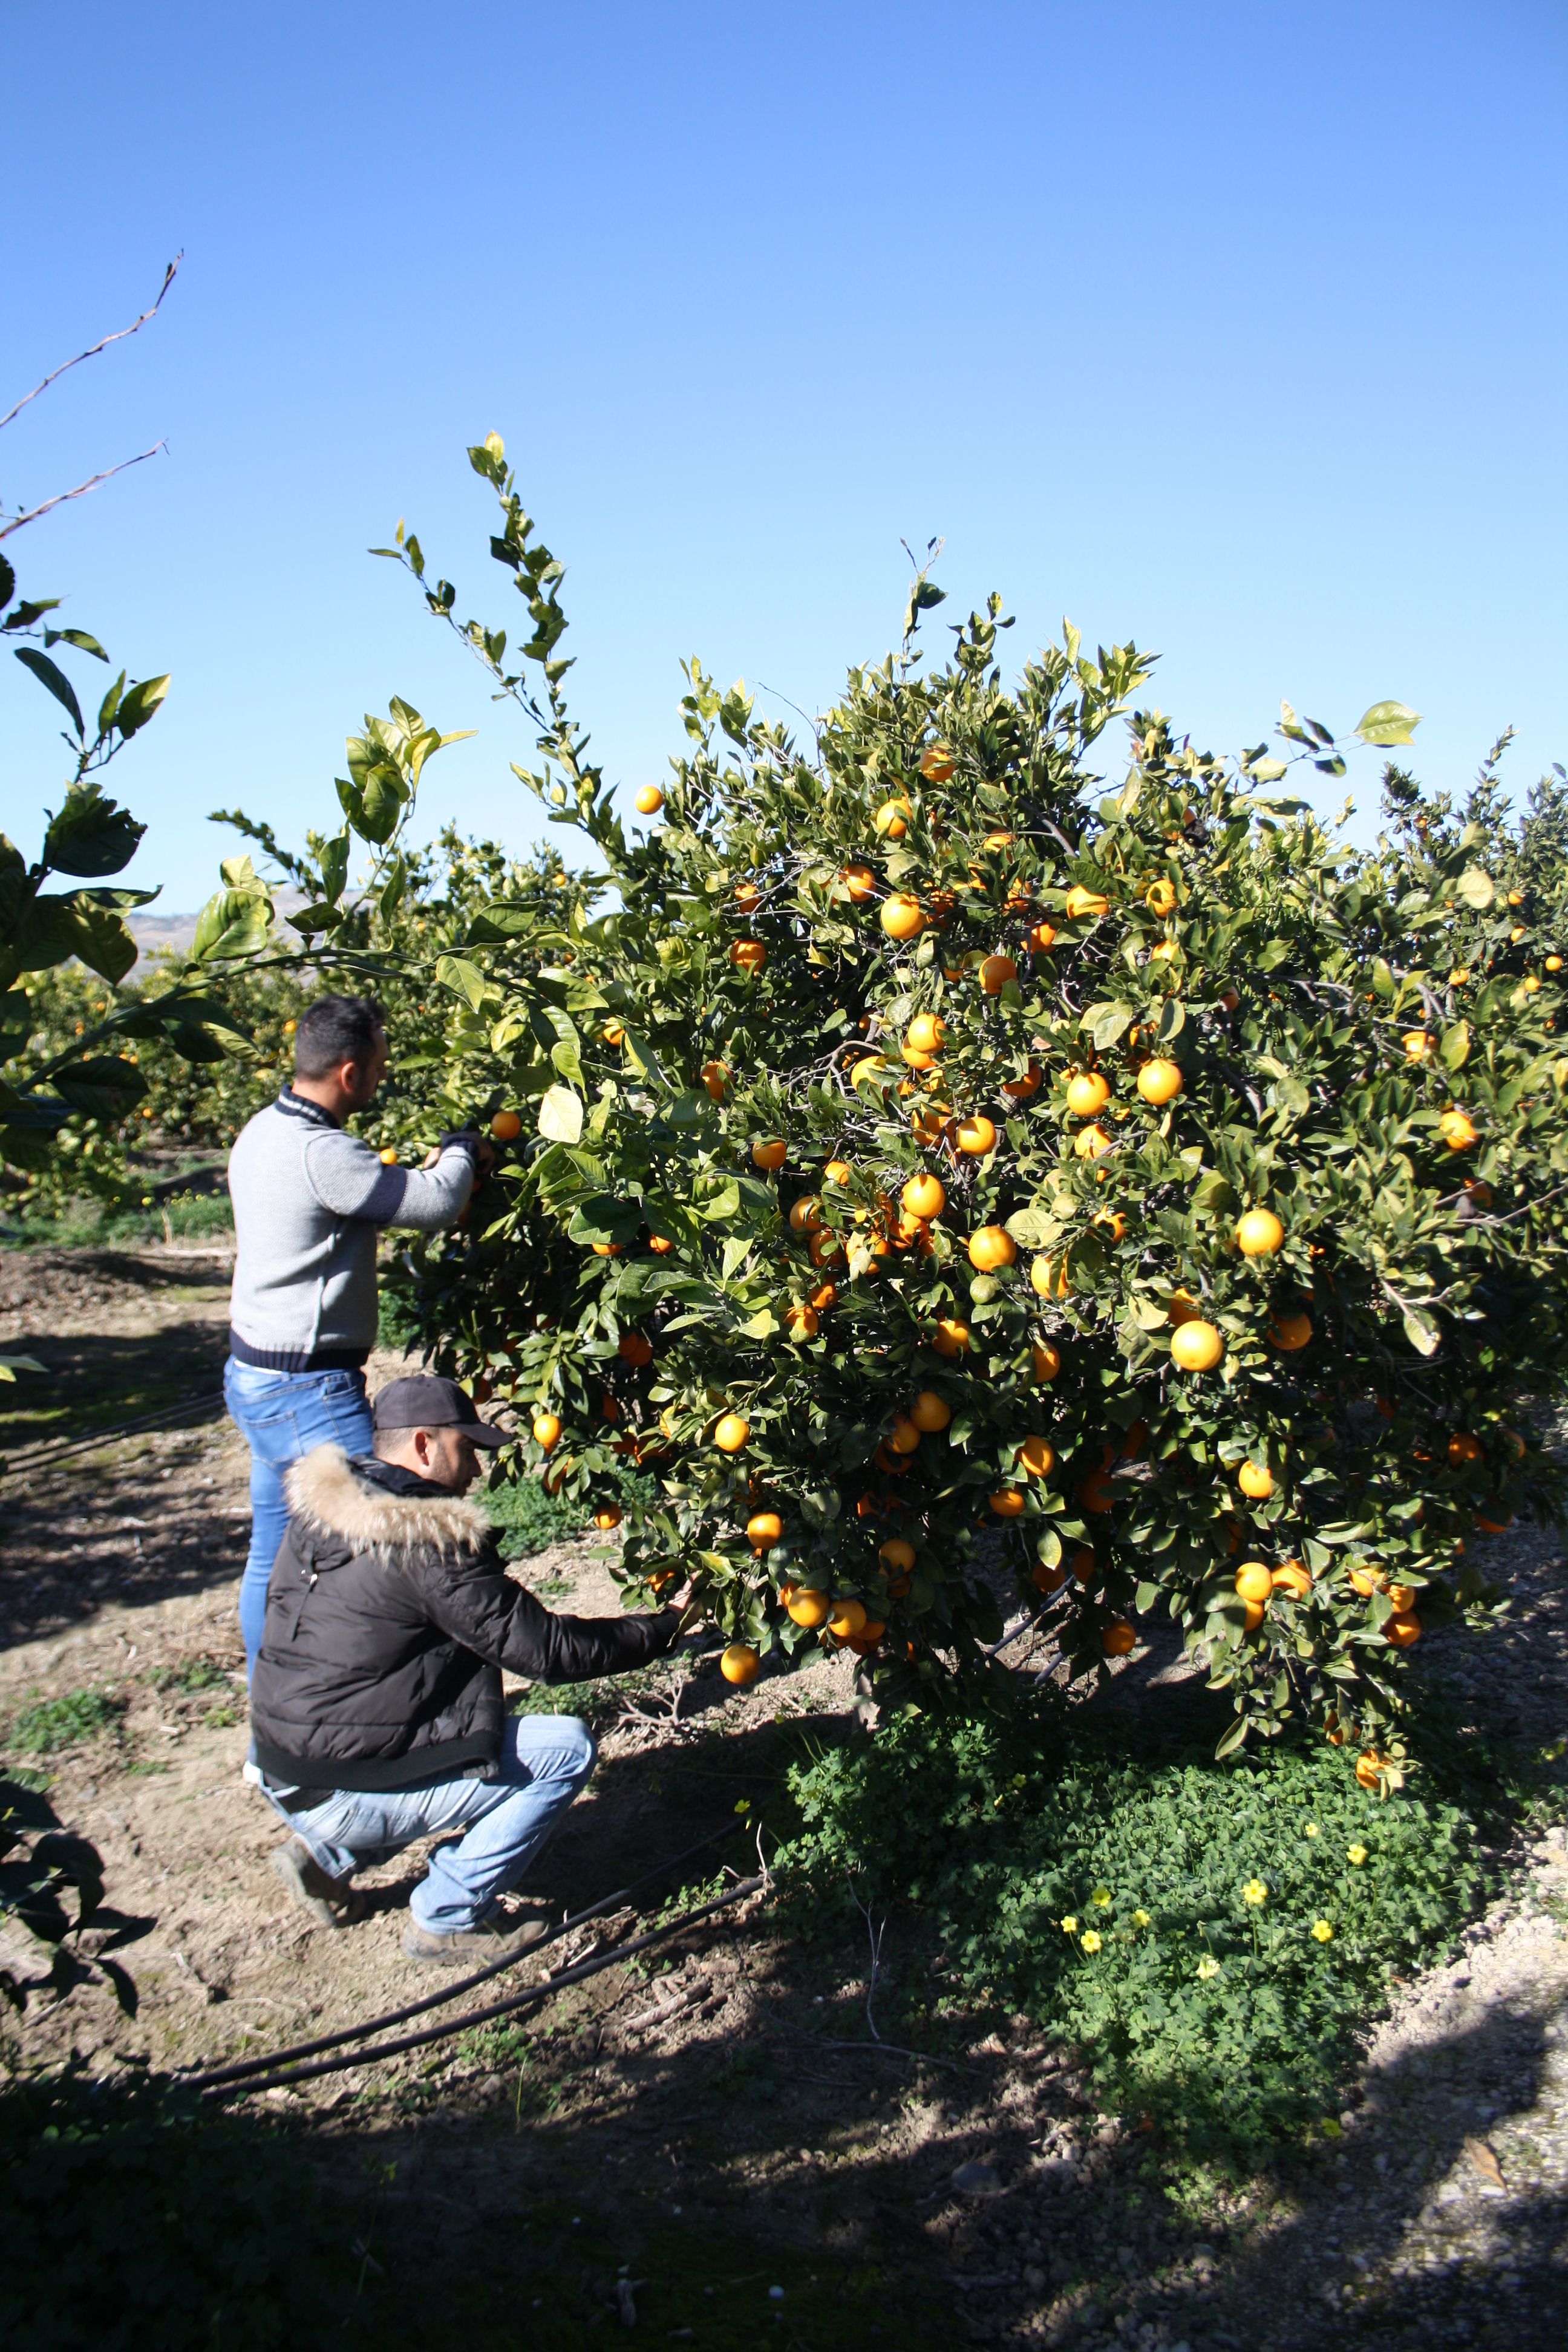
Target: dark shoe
[[330, 1902], [474, 1947]]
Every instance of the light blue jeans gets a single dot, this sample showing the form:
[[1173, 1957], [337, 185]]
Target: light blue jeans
[[544, 1759], [280, 1416]]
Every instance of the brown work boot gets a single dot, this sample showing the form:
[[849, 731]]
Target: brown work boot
[[330, 1902], [493, 1937]]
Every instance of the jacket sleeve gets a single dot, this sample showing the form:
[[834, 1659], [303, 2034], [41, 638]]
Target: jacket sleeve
[[349, 1180], [476, 1603]]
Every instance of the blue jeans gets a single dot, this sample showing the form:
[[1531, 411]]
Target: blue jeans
[[543, 1763], [280, 1416]]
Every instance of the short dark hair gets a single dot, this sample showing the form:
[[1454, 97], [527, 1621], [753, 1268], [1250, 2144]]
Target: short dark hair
[[335, 1030]]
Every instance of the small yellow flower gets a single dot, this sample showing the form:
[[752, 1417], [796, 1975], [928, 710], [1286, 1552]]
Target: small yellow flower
[[1101, 1895], [1142, 1919], [1323, 1932], [1357, 1853], [1209, 1966], [1089, 1941], [1069, 1926], [1255, 1892], [1312, 1829]]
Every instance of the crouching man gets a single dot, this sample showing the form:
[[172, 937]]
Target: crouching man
[[376, 1701]]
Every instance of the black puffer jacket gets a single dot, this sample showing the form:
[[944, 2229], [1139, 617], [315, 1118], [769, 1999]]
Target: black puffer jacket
[[389, 1618]]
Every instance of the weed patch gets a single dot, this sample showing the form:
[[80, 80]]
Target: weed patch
[[50, 1724], [1210, 1935]]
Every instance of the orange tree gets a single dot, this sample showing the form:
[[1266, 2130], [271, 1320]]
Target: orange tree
[[929, 1161]]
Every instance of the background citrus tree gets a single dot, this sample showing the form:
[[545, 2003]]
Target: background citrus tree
[[923, 1160]]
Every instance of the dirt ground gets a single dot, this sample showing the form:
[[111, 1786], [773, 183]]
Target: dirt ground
[[706, 2138]]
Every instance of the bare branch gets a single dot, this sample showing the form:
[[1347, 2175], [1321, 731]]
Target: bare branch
[[81, 488], [117, 337]]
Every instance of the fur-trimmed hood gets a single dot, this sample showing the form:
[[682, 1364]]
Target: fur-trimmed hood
[[327, 1496]]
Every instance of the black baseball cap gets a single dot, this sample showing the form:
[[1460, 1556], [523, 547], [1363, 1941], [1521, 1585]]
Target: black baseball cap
[[422, 1401]]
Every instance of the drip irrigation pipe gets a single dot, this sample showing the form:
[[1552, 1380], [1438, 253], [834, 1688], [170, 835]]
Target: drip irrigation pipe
[[473, 2017], [165, 1416], [269, 2061]]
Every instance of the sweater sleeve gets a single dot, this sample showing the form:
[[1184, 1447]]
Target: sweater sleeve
[[349, 1181], [476, 1603]]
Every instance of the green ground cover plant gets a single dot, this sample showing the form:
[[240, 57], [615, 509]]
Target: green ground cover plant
[[48, 1723], [1210, 1935]]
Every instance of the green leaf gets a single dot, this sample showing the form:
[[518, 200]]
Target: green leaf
[[1455, 1048], [1387, 723], [1420, 1333], [1383, 978], [83, 640], [101, 1087], [1234, 1737], [59, 684], [464, 978], [1476, 887], [1034, 1229], [232, 923], [1267, 771], [91, 835], [561, 1115], [141, 703], [1109, 1022]]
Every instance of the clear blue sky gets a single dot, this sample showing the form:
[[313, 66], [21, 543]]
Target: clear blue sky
[[1239, 329]]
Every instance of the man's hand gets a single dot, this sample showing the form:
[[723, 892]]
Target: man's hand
[[484, 1157]]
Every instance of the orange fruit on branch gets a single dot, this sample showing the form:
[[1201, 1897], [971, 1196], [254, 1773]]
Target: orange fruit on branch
[[770, 1154], [738, 1663], [1118, 1638], [975, 1135], [992, 1246], [1196, 1345], [996, 971], [731, 1432], [1007, 1502], [1260, 1234], [547, 1431], [924, 1196], [763, 1530], [1160, 1081], [649, 800], [1087, 1092], [901, 916], [505, 1126]]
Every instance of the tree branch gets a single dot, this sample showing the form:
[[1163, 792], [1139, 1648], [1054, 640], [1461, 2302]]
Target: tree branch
[[117, 337], [81, 488]]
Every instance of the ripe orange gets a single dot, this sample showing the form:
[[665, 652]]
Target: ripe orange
[[866, 1066], [1369, 1767], [747, 896], [1492, 1519], [837, 1172], [1255, 1480], [996, 971], [1463, 1448], [951, 1337], [1254, 1580], [892, 819], [731, 1432], [1457, 1130], [1182, 1306], [805, 1214], [505, 1125], [897, 1551], [925, 1033], [1365, 1581], [824, 1295], [1260, 1234], [608, 1515], [1090, 1141], [649, 800], [800, 1322], [1088, 1093], [749, 954], [924, 1196], [556, 1478], [1291, 1577], [1160, 1081], [1114, 1222], [772, 1154], [1037, 1455], [807, 1606], [1049, 1279], [992, 1246], [606, 1249], [389, 1157], [612, 1033], [975, 1135], [635, 1347], [1084, 1564], [1021, 1088], [901, 916], [1196, 1345], [1082, 902], [1006, 1502], [738, 1663], [859, 882], [1040, 938], [825, 1249], [1118, 1638], [1097, 1495], [1049, 1579], [1046, 1360], [1253, 1614], [658, 1243], [1402, 1599], [937, 762], [1418, 1043], [916, 1059], [906, 1436], [714, 1074], [1290, 1332], [849, 1618], [546, 1429], [763, 1530], [1402, 1630], [1160, 899]]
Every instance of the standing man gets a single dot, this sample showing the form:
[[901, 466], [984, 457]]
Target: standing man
[[377, 1701], [309, 1201]]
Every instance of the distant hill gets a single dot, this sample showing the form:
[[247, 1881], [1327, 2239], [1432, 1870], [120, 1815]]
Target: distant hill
[[155, 929]]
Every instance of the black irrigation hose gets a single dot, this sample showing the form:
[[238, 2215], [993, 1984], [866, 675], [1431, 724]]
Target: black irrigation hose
[[483, 2016], [268, 2061], [165, 1416]]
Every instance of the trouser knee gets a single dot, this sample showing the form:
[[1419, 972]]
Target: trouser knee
[[580, 1746]]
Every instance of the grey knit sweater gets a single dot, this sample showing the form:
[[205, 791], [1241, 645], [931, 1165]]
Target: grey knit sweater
[[308, 1201]]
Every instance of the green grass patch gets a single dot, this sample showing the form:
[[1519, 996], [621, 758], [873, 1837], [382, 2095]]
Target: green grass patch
[[1210, 1935], [194, 1675], [50, 1724], [131, 1222], [133, 2220]]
